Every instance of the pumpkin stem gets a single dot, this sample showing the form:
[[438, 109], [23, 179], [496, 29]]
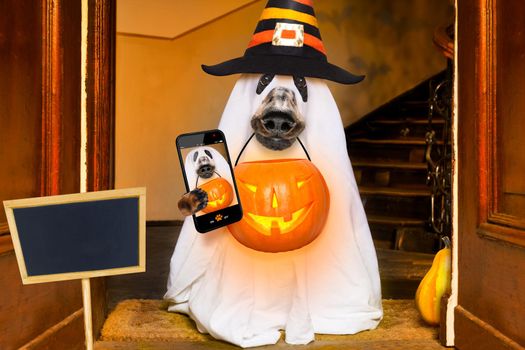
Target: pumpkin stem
[[446, 241]]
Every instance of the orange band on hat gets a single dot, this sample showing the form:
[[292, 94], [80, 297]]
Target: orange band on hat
[[314, 42], [261, 38], [274, 13], [306, 2], [267, 36]]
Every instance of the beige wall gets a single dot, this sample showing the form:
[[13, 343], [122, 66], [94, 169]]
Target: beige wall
[[161, 91], [170, 18], [388, 41]]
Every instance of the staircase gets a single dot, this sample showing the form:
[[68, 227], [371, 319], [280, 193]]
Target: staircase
[[387, 148]]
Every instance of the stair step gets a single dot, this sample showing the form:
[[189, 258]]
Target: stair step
[[394, 221], [401, 272], [393, 121], [404, 207], [390, 165], [394, 192], [413, 105], [399, 264], [397, 130], [380, 153], [401, 141]]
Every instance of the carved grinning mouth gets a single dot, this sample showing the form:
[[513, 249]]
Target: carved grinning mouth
[[273, 225], [216, 202]]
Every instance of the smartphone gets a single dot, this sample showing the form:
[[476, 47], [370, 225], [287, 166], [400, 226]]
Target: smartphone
[[206, 164]]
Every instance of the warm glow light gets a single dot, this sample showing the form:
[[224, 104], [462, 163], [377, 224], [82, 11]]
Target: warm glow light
[[274, 201], [269, 225], [217, 202], [285, 204], [220, 194]]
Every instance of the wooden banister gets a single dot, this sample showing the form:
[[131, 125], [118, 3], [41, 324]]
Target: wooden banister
[[444, 40]]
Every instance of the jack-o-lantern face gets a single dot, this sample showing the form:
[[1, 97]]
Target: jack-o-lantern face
[[220, 194], [285, 204]]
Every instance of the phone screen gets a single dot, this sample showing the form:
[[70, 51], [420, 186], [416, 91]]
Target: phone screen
[[206, 165]]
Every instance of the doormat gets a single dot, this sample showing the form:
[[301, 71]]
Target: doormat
[[147, 320]]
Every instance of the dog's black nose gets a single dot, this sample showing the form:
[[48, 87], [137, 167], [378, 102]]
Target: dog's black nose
[[206, 171], [278, 123]]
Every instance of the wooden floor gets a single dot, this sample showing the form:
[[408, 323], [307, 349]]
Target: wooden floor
[[318, 345], [400, 271], [160, 242], [400, 275]]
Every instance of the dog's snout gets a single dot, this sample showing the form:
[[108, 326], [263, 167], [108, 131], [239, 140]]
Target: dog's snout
[[278, 123], [282, 94], [205, 168]]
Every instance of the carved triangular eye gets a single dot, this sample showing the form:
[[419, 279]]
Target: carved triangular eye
[[275, 203], [250, 187], [300, 182]]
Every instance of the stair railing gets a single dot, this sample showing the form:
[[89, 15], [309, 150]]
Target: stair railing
[[438, 156]]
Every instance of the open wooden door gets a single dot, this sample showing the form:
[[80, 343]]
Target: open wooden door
[[491, 114], [44, 131]]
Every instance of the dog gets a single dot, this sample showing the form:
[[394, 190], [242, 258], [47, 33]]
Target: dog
[[276, 124], [278, 121], [203, 166], [330, 286]]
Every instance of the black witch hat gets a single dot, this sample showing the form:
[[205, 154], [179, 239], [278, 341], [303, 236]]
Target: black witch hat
[[286, 41]]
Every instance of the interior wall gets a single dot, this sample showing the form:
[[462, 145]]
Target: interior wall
[[161, 91]]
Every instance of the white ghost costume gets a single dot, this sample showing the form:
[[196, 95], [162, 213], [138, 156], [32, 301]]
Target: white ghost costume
[[330, 286]]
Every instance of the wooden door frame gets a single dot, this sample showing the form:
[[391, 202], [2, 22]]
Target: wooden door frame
[[480, 227], [100, 101], [100, 108], [101, 94]]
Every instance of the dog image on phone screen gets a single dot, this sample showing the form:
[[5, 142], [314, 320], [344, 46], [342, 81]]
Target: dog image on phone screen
[[281, 109], [201, 165]]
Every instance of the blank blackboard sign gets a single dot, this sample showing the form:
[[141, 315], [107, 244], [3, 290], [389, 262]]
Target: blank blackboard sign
[[78, 236]]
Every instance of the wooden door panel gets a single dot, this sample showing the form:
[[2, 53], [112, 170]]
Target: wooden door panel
[[40, 85], [20, 106], [491, 236], [39, 154], [501, 119], [510, 104]]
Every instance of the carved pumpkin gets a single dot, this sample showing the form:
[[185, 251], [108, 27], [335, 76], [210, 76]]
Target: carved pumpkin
[[285, 204], [220, 194]]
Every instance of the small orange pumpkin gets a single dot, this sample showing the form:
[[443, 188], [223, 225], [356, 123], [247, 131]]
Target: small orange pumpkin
[[220, 194], [285, 204]]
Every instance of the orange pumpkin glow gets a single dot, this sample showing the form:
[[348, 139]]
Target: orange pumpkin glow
[[220, 194], [285, 204]]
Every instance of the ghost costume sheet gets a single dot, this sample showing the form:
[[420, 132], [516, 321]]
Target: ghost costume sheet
[[330, 286]]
